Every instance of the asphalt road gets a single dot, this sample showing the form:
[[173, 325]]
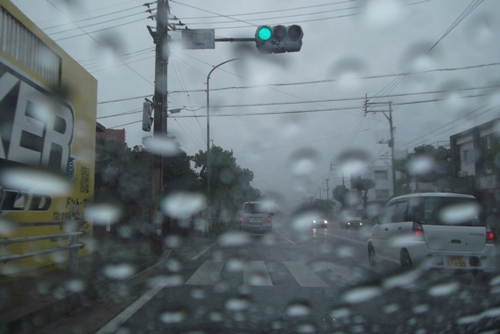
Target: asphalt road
[[289, 281]]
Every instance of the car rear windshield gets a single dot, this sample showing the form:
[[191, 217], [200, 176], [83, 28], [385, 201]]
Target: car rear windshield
[[454, 211], [255, 208]]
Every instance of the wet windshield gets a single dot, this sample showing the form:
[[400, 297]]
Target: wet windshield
[[135, 138]]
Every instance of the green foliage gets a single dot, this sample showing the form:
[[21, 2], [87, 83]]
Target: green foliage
[[325, 206], [229, 183], [340, 194], [439, 174], [363, 185], [493, 158], [178, 174], [124, 176]]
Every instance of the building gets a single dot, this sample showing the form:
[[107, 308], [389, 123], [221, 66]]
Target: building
[[383, 189], [112, 135], [383, 184], [468, 155]]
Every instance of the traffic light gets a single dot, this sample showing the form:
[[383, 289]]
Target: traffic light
[[147, 115], [278, 39]]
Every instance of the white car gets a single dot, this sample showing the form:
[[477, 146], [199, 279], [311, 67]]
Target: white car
[[436, 230]]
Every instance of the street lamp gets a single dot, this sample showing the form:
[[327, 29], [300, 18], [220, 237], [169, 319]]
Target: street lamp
[[208, 132]]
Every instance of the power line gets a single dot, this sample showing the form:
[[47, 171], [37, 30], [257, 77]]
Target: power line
[[267, 19], [335, 80], [449, 123], [326, 100], [99, 30], [269, 11], [94, 17], [472, 6], [138, 74]]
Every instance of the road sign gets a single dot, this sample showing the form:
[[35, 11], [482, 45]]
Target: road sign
[[198, 38]]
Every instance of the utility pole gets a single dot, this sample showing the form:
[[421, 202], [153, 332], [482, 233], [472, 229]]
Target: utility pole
[[160, 37], [391, 130], [327, 189]]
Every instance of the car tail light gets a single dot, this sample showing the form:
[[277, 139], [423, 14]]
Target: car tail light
[[490, 236], [241, 219], [269, 219], [418, 229]]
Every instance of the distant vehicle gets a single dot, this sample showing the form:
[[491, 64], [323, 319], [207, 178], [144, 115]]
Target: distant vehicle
[[350, 219], [320, 222], [256, 217], [437, 230]]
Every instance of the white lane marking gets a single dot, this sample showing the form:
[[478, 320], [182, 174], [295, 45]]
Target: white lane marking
[[114, 324], [197, 256], [345, 272], [290, 241], [207, 274], [157, 264], [255, 274], [304, 276], [349, 239]]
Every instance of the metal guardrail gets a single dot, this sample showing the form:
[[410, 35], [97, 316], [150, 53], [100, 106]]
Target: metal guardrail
[[72, 247]]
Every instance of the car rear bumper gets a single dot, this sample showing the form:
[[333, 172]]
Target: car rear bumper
[[486, 260], [256, 227]]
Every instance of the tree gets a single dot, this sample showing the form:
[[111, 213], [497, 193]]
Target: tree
[[178, 174], [361, 185], [229, 183], [340, 194], [426, 164], [123, 177], [325, 206], [493, 158]]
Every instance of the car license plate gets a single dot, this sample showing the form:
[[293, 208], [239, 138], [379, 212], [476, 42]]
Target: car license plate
[[456, 262], [254, 220]]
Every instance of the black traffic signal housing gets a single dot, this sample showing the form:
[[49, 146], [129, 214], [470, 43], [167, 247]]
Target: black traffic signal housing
[[278, 39], [147, 115]]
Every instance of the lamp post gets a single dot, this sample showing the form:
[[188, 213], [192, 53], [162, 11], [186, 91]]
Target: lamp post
[[208, 132]]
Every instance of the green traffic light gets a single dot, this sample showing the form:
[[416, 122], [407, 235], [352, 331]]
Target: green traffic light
[[264, 33]]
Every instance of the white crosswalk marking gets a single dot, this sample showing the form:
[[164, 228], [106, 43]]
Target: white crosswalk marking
[[344, 272], [255, 273], [207, 274], [304, 276]]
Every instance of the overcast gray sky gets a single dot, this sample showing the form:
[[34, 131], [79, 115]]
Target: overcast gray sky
[[309, 103]]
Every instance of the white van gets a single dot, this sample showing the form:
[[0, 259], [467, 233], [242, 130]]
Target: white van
[[256, 217], [437, 230]]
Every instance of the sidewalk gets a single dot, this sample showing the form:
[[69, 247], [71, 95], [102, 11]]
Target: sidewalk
[[29, 301]]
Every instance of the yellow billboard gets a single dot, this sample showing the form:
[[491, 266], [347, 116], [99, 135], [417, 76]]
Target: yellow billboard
[[47, 143]]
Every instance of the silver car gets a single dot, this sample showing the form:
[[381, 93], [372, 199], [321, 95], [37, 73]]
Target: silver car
[[436, 230], [256, 217], [350, 219]]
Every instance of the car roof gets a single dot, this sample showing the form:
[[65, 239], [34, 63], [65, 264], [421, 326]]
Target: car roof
[[416, 195]]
